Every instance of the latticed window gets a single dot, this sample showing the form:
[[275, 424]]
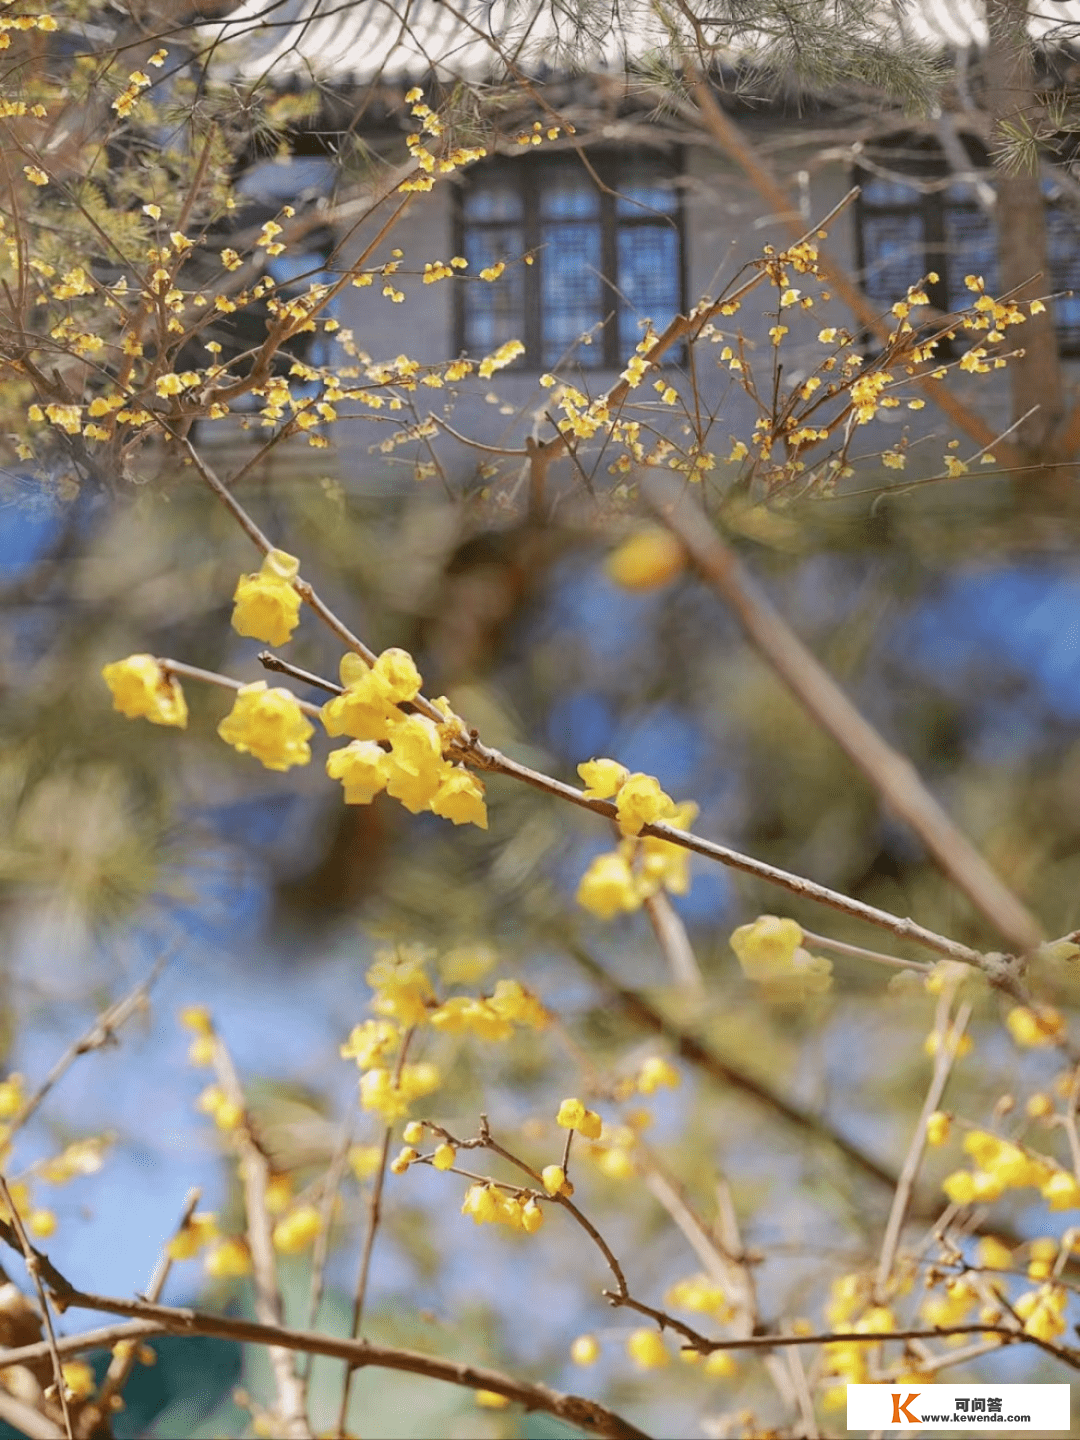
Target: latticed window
[[605, 256], [914, 218]]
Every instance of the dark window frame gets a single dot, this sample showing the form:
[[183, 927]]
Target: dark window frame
[[922, 159], [527, 175]]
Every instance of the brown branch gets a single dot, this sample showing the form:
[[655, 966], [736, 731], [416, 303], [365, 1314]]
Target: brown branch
[[27, 1420], [33, 1268], [173, 1320], [893, 775], [674, 942]]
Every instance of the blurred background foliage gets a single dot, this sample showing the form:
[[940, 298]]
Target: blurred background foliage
[[950, 615]]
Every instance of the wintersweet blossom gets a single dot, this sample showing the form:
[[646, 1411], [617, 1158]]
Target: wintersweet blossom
[[294, 1232], [700, 1294], [555, 1181], [1043, 1312], [574, 1116], [199, 1231], [656, 1072], [608, 886], [1029, 1028], [770, 952], [444, 1156], [647, 1349], [639, 802], [648, 559], [268, 724], [390, 1097], [371, 1043], [229, 1259], [402, 988], [266, 606], [415, 765], [460, 798], [361, 766], [585, 1350], [141, 688], [602, 778]]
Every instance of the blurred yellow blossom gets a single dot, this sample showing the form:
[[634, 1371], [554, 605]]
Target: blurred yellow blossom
[[648, 559], [647, 1349], [296, 1231], [140, 687]]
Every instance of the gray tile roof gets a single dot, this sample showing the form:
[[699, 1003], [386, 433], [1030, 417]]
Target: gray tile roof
[[399, 40]]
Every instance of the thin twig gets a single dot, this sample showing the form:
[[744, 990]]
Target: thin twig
[[124, 1359], [674, 942], [859, 952], [363, 1273], [34, 1271], [893, 775], [223, 682], [100, 1033], [948, 1043]]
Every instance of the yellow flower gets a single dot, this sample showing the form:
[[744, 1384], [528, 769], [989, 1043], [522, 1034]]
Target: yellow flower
[[296, 1231], [371, 1043], [200, 1231], [444, 1157], [197, 1019], [700, 1294], [11, 1096], [770, 951], [608, 886], [1061, 1191], [481, 1203], [585, 1350], [648, 559], [721, 1365], [555, 1182], [415, 764], [937, 1128], [379, 1092], [397, 670], [512, 1001], [574, 1116], [460, 798], [78, 1379], [602, 778], [532, 1217], [35, 175], [647, 1349], [656, 1072], [141, 688], [403, 1159], [364, 1160], [266, 607], [268, 724], [639, 802], [366, 711], [1045, 1026], [1043, 1312], [41, 1223], [491, 1400], [228, 1260], [401, 985], [362, 769]]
